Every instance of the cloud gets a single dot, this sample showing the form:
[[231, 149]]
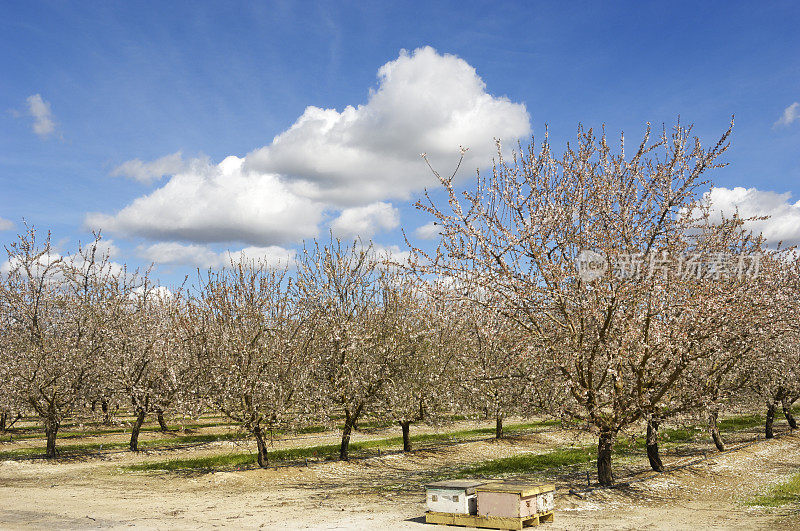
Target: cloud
[[172, 253], [43, 122], [790, 114], [147, 172], [272, 256], [105, 250], [425, 102], [783, 223], [152, 293], [217, 203], [428, 231], [14, 264], [391, 253], [6, 224], [331, 163], [176, 253], [365, 221]]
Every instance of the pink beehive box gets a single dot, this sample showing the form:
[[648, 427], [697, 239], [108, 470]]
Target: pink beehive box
[[514, 500]]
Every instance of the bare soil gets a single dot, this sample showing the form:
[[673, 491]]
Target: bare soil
[[386, 492]]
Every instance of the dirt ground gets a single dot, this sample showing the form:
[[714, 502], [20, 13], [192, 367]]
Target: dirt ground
[[384, 492]]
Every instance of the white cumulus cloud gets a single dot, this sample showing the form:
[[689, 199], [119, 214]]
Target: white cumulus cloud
[[365, 221], [152, 293], [273, 256], [102, 261], [784, 216], [173, 253], [391, 253], [217, 203], [343, 165], [428, 231], [790, 114], [105, 248], [44, 124], [147, 172], [6, 224], [425, 102]]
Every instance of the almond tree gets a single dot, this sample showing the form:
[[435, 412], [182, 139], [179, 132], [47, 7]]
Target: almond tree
[[788, 301], [341, 288], [721, 311], [56, 330], [245, 328], [6, 404], [424, 335], [143, 361], [521, 232], [774, 374], [497, 369]]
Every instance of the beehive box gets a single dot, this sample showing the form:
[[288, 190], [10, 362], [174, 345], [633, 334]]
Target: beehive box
[[453, 496], [514, 500]]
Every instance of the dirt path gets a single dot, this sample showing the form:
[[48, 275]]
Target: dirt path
[[380, 493]]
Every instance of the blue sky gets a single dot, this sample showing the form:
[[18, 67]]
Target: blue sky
[[88, 87]]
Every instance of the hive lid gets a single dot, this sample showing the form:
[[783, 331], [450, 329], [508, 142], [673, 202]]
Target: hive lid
[[523, 489], [467, 485]]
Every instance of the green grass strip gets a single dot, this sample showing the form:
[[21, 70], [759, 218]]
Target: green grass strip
[[529, 463], [786, 493], [72, 450], [329, 451]]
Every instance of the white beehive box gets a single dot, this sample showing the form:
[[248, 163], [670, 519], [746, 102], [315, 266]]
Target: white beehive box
[[453, 496]]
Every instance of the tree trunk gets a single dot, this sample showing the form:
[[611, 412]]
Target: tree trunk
[[262, 457], [3, 420], [787, 412], [13, 421], [498, 426], [51, 425], [137, 426], [350, 420], [713, 428], [106, 414], [406, 436], [161, 423], [652, 445], [605, 445], [768, 433], [344, 448]]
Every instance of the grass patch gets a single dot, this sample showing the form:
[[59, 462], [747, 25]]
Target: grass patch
[[741, 422], [247, 459], [72, 450], [19, 453], [198, 463], [319, 452], [786, 493], [312, 429], [94, 430], [526, 463], [666, 437], [67, 450], [453, 436], [529, 463]]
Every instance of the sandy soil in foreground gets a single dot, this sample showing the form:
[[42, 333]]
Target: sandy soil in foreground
[[379, 493]]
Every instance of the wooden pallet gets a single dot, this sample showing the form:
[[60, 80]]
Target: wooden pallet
[[491, 522]]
